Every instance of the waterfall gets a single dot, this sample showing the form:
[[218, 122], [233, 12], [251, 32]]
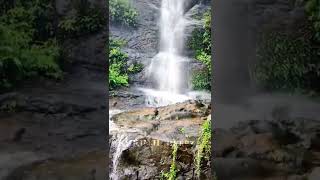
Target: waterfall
[[168, 69], [122, 142]]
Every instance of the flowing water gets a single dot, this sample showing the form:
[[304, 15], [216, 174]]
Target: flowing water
[[168, 69], [122, 143]]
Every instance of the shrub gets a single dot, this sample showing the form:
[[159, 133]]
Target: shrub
[[85, 19], [117, 64], [200, 43], [20, 59], [116, 76], [313, 9], [287, 63], [135, 68], [25, 49], [201, 80], [122, 12]]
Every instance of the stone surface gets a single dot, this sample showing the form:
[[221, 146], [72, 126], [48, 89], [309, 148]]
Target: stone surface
[[152, 132]]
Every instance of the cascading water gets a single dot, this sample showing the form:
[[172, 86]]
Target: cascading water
[[168, 68], [122, 143], [168, 71]]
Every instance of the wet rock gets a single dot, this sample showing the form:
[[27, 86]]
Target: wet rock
[[87, 166], [153, 131], [280, 145], [225, 143]]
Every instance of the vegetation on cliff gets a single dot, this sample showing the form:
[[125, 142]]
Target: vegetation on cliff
[[117, 64], [203, 153], [28, 47], [84, 18], [200, 43], [291, 62], [118, 68], [313, 10], [122, 12], [172, 174]]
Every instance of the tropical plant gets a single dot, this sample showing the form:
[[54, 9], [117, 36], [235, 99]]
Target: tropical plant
[[117, 64]]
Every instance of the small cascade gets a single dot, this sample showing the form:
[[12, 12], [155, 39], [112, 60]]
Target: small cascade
[[121, 143]]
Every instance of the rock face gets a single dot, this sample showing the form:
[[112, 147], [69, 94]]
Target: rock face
[[142, 40], [45, 124], [152, 131], [277, 149], [43, 121]]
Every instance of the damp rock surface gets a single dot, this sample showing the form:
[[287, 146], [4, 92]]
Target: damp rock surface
[[278, 149], [152, 132]]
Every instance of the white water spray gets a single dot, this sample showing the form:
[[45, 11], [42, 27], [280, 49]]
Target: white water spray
[[168, 69]]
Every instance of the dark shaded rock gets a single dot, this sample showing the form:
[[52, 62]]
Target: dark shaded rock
[[18, 134]]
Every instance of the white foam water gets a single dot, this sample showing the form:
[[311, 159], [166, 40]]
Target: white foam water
[[168, 68], [122, 143]]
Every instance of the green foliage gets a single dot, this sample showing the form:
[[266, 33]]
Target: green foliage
[[116, 77], [201, 80], [117, 64], [200, 40], [121, 11], [203, 146], [205, 58], [135, 68], [37, 15], [313, 9], [200, 43], [25, 49], [287, 63], [85, 18], [172, 174], [182, 130]]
